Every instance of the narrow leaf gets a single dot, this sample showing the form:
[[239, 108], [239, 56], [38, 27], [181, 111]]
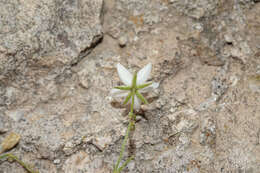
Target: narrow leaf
[[144, 85], [127, 98], [124, 87], [134, 80], [141, 97]]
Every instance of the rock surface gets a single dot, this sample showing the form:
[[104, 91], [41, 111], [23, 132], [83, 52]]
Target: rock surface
[[57, 66]]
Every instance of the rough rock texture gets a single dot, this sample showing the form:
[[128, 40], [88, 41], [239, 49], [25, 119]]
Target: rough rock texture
[[47, 33], [57, 66]]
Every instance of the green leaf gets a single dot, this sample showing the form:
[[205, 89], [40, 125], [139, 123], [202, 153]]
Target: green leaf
[[127, 98], [141, 97], [124, 87], [144, 85], [134, 80]]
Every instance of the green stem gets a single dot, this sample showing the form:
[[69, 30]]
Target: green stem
[[123, 146], [130, 126], [11, 156]]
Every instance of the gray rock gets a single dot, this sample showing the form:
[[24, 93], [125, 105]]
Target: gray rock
[[47, 33], [208, 132], [82, 162], [196, 9], [55, 79], [219, 87], [3, 128]]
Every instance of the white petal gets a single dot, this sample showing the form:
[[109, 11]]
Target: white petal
[[125, 76], [137, 103], [151, 87], [118, 93], [144, 74]]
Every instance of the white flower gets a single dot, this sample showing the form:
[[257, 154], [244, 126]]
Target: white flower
[[134, 85]]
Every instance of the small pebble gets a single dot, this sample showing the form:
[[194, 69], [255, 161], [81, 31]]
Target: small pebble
[[122, 41]]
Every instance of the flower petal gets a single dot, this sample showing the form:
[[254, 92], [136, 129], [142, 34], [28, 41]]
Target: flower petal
[[118, 93], [137, 103], [125, 76], [144, 74], [151, 87]]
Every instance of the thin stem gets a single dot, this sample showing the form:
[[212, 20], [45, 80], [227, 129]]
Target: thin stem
[[11, 156], [123, 145], [130, 126]]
